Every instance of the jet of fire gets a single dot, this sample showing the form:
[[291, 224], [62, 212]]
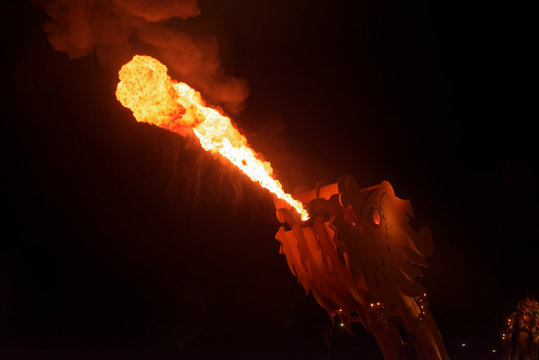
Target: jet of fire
[[155, 98]]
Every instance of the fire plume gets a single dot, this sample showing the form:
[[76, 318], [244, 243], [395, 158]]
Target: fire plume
[[155, 98]]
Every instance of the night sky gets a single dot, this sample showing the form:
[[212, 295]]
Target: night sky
[[124, 241]]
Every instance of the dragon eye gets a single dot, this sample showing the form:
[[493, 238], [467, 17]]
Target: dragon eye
[[375, 217]]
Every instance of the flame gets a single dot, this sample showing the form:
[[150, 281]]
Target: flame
[[155, 98]]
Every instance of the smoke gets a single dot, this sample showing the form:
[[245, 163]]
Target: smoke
[[114, 29]]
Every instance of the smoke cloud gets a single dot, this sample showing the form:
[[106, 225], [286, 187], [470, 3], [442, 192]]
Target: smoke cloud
[[114, 29]]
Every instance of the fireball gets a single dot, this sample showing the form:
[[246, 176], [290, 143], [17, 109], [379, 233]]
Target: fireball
[[155, 98]]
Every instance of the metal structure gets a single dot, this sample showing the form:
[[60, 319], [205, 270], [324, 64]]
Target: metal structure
[[360, 255], [521, 337]]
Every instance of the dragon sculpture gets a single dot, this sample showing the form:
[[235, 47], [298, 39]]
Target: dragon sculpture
[[360, 256]]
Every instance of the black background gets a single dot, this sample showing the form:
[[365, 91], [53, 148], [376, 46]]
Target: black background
[[122, 240]]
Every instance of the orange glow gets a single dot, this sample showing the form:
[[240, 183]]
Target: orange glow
[[155, 98]]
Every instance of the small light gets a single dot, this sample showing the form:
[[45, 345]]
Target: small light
[[342, 324], [375, 216], [493, 350], [372, 304], [463, 345], [378, 303], [424, 294]]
